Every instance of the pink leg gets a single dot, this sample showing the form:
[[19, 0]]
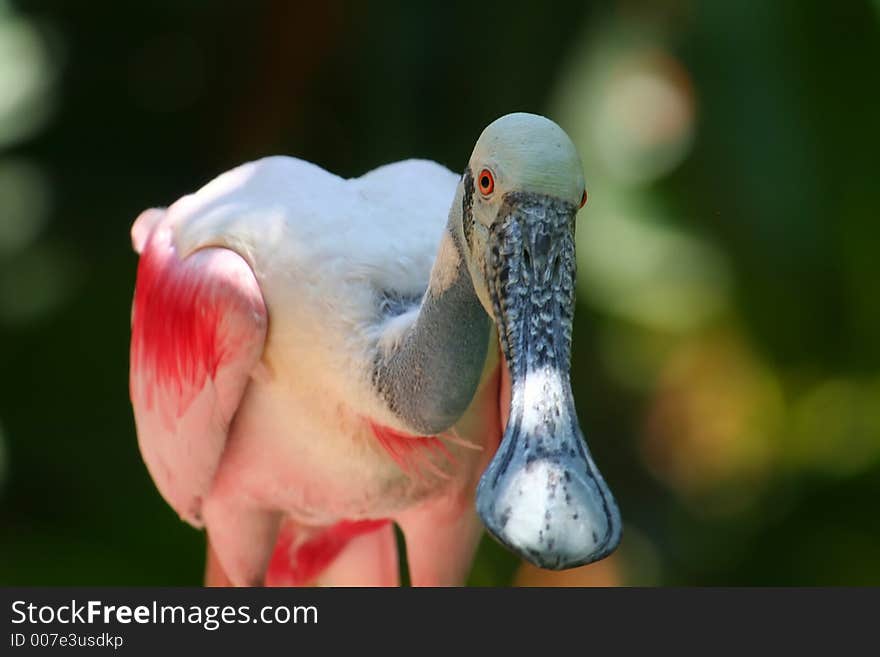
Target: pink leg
[[214, 575], [242, 540], [441, 538], [368, 560]]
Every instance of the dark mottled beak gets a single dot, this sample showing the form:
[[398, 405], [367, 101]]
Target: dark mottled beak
[[542, 496]]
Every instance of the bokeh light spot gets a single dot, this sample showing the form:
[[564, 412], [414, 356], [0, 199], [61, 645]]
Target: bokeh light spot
[[713, 422], [25, 200], [648, 272], [836, 427], [629, 105], [645, 120], [27, 76], [36, 282]]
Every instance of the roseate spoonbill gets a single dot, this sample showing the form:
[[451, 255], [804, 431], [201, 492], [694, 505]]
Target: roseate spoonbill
[[314, 357]]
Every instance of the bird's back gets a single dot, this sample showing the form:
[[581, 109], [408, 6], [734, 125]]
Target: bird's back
[[283, 213]]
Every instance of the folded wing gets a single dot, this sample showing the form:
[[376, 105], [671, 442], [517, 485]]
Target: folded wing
[[198, 330]]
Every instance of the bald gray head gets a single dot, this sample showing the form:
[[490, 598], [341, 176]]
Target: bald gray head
[[541, 495], [530, 153]]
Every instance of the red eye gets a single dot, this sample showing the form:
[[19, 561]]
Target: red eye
[[486, 182], [583, 199]]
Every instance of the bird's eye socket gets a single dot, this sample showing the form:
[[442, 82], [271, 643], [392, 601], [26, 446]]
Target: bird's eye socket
[[486, 182], [583, 199]]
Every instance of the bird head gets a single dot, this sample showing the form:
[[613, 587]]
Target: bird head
[[541, 495]]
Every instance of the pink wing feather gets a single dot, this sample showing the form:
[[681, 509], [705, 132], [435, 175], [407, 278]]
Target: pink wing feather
[[198, 330]]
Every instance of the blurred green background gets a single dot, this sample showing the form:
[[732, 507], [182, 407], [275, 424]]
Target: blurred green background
[[727, 339]]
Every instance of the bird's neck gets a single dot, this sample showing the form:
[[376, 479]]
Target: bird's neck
[[429, 375]]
